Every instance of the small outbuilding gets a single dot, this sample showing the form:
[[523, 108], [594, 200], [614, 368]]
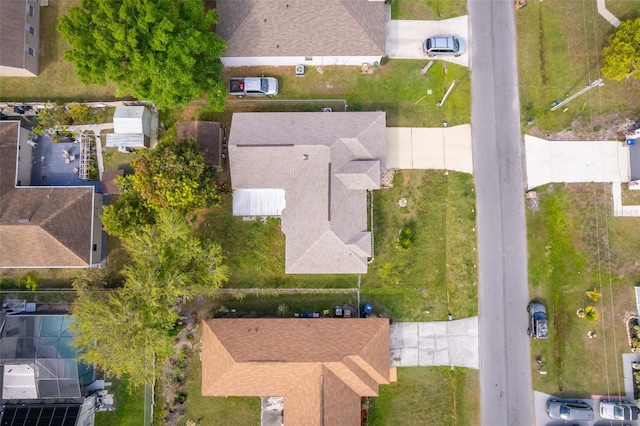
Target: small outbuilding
[[131, 127], [208, 136]]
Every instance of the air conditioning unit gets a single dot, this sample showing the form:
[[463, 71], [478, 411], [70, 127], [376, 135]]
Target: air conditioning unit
[[299, 70]]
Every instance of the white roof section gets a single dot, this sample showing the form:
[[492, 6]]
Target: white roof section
[[258, 202], [129, 140], [19, 382], [575, 161], [128, 119]]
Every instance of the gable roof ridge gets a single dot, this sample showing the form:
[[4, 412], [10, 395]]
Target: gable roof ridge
[[350, 378], [358, 16], [374, 342], [367, 368], [311, 246]]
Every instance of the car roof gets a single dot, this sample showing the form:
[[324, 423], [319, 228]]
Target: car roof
[[440, 42]]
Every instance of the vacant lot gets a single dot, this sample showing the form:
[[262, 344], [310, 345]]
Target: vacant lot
[[437, 274], [429, 396], [574, 247], [57, 79], [559, 46], [427, 9]]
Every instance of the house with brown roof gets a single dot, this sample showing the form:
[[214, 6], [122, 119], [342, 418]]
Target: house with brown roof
[[313, 170], [43, 226], [19, 37], [301, 32], [322, 367], [208, 136]]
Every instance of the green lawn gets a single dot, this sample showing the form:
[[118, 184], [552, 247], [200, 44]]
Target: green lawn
[[57, 80], [574, 246], [254, 252], [437, 396], [624, 9], [206, 410], [398, 88], [129, 407], [559, 47], [427, 9], [437, 275]]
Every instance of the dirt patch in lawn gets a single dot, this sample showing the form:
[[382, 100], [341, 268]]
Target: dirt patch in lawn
[[607, 127]]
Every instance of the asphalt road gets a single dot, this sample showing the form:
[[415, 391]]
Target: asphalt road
[[506, 395]]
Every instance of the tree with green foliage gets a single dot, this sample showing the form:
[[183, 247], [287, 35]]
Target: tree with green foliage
[[126, 332], [127, 214], [175, 176], [621, 58], [162, 51]]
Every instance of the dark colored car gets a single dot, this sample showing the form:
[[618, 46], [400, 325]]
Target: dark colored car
[[538, 321], [569, 410], [444, 45]]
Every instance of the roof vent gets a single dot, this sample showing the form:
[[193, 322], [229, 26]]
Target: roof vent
[[23, 219], [305, 156]]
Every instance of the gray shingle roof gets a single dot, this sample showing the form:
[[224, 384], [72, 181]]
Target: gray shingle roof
[[59, 230], [302, 27], [325, 162], [12, 32]]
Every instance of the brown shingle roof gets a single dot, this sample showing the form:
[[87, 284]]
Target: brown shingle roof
[[41, 226], [207, 136], [109, 186], [320, 366], [325, 162], [302, 27]]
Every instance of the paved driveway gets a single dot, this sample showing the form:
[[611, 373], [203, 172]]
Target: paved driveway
[[446, 148], [427, 344], [575, 161], [404, 38]]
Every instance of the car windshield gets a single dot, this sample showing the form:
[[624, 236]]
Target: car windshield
[[564, 411], [456, 44], [618, 412], [264, 85]]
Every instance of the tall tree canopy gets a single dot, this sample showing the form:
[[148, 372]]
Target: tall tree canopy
[[162, 51], [174, 175], [621, 58], [126, 332]]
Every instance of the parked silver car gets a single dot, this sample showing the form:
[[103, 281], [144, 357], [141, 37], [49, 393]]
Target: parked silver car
[[569, 410], [443, 45], [618, 410]]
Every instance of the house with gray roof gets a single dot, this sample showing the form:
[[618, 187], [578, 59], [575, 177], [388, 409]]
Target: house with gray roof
[[43, 226], [313, 170], [302, 32], [19, 37]]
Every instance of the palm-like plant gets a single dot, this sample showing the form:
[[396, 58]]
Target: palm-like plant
[[591, 314]]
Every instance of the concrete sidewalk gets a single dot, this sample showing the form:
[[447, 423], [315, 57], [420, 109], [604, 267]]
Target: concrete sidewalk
[[447, 148], [425, 344], [602, 10]]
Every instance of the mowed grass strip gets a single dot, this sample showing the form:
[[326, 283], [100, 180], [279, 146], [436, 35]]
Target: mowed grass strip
[[438, 396], [398, 88], [57, 80], [559, 46], [574, 246], [432, 10], [437, 275]]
